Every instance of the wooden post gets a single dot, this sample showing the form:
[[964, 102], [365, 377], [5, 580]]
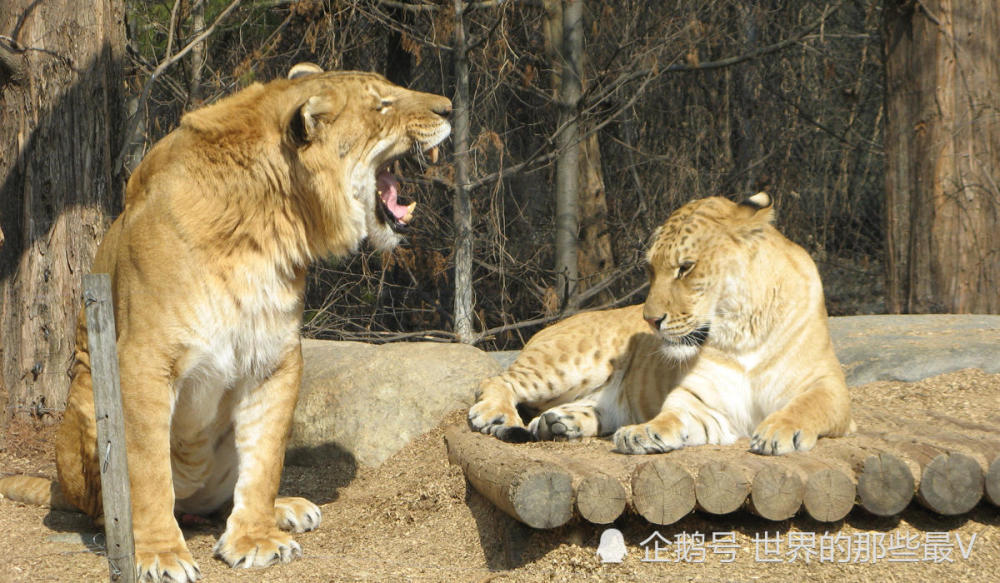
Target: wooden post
[[829, 495], [725, 481], [980, 437], [102, 343]]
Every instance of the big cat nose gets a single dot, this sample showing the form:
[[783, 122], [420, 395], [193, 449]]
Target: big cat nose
[[443, 109]]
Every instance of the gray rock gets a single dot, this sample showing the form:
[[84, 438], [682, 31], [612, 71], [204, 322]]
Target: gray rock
[[505, 357], [902, 347], [913, 347], [360, 403]]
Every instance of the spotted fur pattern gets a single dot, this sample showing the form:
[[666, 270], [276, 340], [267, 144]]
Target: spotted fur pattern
[[731, 342]]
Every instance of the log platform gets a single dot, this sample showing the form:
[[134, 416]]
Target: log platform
[[948, 468]]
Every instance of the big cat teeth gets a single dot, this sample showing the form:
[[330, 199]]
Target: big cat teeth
[[409, 212]]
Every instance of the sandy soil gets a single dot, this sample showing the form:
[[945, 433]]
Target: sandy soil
[[414, 519]]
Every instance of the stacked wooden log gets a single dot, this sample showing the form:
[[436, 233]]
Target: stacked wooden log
[[947, 467]]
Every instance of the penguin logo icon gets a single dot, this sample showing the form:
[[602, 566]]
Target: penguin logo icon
[[612, 546]]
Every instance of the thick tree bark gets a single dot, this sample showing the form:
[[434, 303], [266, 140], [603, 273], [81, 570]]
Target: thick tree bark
[[942, 145], [62, 121], [595, 258]]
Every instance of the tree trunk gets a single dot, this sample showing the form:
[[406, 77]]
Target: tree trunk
[[199, 54], [583, 244], [568, 142], [745, 137], [462, 204], [62, 125], [942, 144], [595, 258]]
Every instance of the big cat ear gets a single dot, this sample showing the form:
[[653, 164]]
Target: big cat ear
[[304, 69], [759, 201], [306, 123], [759, 207]]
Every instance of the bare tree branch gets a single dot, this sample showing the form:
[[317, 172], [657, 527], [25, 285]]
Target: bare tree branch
[[409, 7], [618, 302], [447, 336], [422, 7], [638, 73], [172, 28], [729, 62], [477, 40], [17, 47], [393, 24], [11, 66], [543, 154], [147, 87]]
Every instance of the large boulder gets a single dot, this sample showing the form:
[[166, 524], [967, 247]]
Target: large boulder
[[904, 348], [913, 347], [360, 403]]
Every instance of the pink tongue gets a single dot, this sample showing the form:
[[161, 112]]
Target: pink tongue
[[389, 187]]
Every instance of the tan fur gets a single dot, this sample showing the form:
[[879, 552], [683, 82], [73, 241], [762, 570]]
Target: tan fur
[[731, 342], [208, 264]]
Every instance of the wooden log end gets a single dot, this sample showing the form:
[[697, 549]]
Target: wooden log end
[[542, 498], [530, 489], [952, 483], [886, 485], [662, 491], [776, 493], [721, 487], [993, 482], [600, 499], [829, 495]]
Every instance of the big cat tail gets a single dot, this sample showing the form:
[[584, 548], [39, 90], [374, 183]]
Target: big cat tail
[[34, 490]]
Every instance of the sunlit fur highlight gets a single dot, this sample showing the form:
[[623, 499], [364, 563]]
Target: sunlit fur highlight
[[644, 374], [208, 264]]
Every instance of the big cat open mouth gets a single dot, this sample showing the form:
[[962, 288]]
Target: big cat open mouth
[[395, 213]]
